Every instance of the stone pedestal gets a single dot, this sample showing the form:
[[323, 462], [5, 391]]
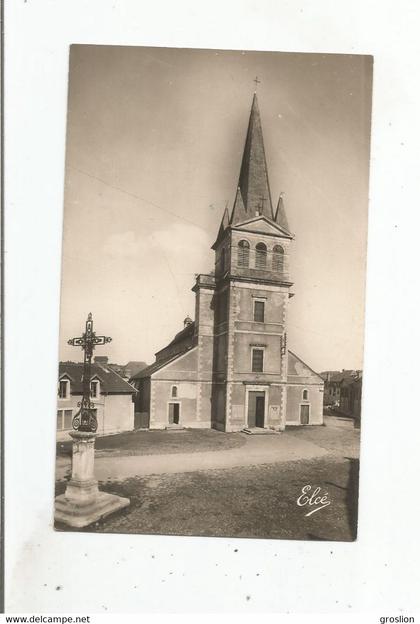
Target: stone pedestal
[[83, 503]]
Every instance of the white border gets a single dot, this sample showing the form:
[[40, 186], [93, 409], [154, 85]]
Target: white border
[[127, 573]]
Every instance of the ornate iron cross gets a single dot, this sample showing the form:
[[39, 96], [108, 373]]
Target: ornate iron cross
[[85, 419]]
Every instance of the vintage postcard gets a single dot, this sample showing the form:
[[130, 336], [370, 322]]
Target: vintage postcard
[[213, 284]]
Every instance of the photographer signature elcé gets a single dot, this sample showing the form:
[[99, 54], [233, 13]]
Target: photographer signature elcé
[[313, 499]]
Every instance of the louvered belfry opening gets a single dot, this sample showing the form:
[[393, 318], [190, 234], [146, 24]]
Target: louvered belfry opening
[[260, 256], [243, 253]]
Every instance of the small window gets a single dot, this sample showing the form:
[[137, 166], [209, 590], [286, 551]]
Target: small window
[[64, 419], [63, 389], [259, 311], [94, 389], [174, 392], [278, 258], [305, 395], [257, 360], [260, 256], [243, 253]]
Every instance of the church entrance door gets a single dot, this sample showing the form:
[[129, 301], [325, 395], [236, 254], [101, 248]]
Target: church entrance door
[[256, 408]]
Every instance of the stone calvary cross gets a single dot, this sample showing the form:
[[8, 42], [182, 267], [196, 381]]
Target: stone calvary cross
[[83, 503]]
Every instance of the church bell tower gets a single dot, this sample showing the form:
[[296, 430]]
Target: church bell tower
[[252, 290]]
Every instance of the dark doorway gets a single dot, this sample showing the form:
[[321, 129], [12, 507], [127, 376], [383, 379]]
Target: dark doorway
[[174, 413], [304, 414], [141, 420], [256, 409]]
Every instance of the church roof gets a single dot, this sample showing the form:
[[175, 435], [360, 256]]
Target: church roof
[[187, 332], [149, 370]]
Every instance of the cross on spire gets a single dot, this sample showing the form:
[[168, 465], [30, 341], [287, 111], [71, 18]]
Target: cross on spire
[[257, 82]]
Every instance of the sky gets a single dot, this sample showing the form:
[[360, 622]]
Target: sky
[[153, 152]]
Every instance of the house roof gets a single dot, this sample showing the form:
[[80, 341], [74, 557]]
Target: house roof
[[339, 376], [111, 382], [135, 364]]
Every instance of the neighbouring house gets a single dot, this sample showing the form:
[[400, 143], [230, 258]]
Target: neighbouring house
[[231, 368], [334, 381], [124, 370], [112, 396], [351, 396]]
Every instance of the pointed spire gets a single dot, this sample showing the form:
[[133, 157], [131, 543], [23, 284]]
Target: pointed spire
[[280, 216], [225, 219], [253, 178], [238, 213], [224, 224]]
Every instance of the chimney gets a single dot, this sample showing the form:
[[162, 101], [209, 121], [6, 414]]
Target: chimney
[[101, 359]]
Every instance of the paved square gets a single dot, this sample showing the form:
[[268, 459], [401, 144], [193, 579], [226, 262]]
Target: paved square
[[211, 483]]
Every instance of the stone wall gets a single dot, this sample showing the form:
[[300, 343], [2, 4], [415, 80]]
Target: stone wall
[[295, 400]]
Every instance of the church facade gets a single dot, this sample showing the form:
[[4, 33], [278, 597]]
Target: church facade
[[231, 368]]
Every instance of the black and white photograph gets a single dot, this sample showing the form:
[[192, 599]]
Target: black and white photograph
[[209, 321], [213, 293]]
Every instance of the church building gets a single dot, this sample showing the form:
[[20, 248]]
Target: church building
[[231, 368]]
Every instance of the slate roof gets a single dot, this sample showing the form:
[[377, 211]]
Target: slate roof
[[339, 376], [149, 370], [253, 196], [186, 332], [111, 382], [253, 178]]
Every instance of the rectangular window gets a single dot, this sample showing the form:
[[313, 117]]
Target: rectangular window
[[257, 360], [259, 311], [62, 389], [64, 419], [94, 387], [68, 414]]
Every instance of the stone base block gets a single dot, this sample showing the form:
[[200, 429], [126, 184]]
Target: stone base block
[[81, 513]]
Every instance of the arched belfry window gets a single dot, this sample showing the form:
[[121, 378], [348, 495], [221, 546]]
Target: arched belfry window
[[278, 258], [243, 253], [260, 256]]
